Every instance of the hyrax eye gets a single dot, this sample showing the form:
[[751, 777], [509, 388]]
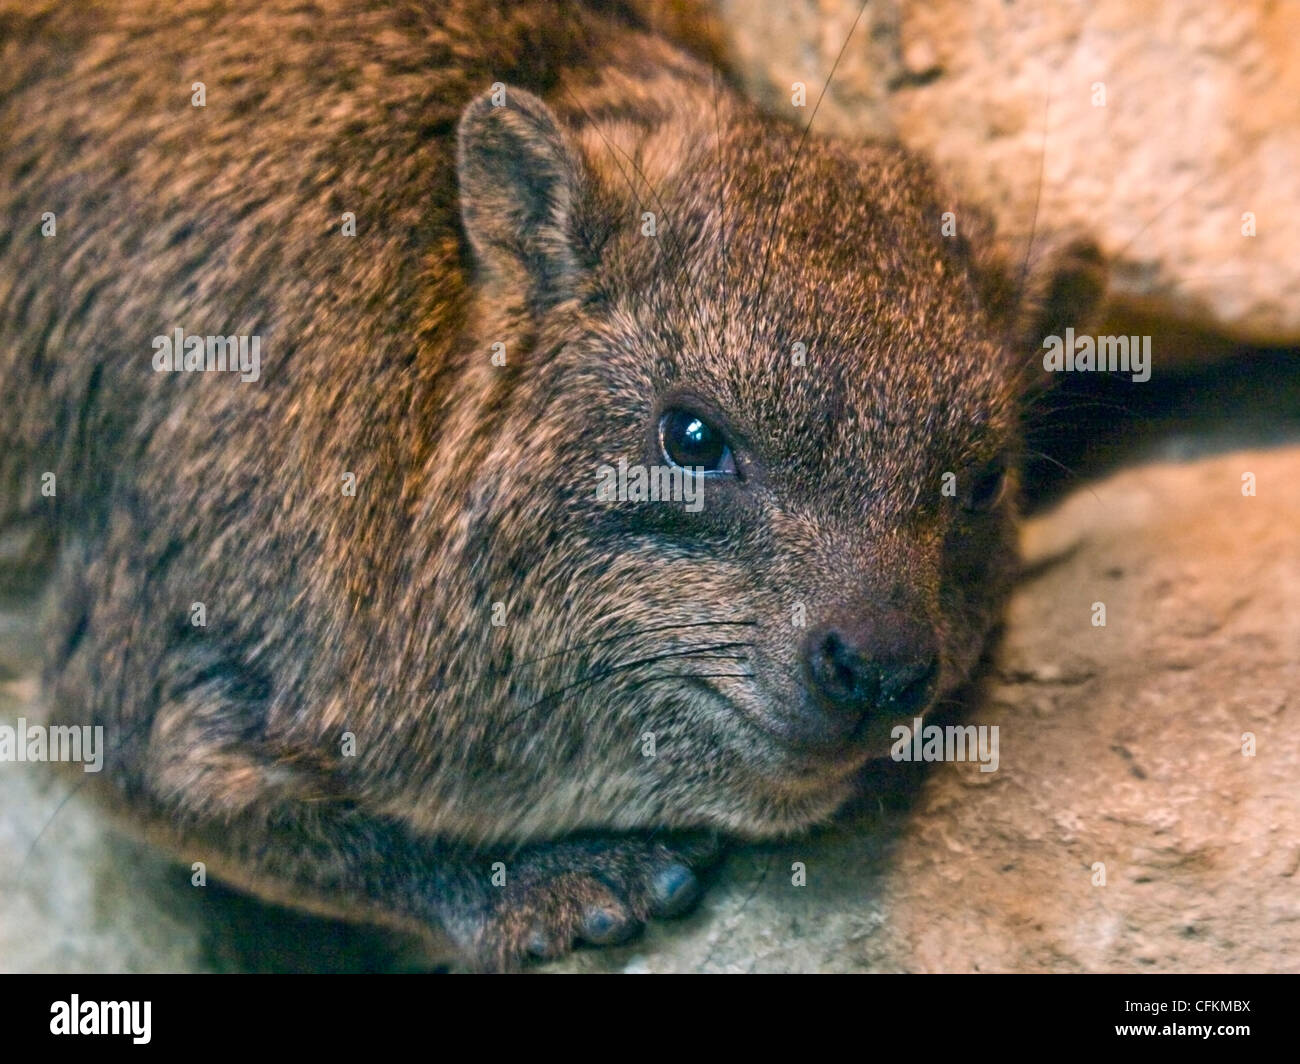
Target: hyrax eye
[[987, 487], [690, 441]]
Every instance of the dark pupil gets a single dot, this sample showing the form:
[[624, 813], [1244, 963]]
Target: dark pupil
[[691, 441], [986, 488]]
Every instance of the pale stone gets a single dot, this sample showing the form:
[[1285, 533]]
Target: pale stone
[[1201, 124]]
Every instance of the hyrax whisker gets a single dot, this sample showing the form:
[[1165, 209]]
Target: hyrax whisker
[[637, 685], [635, 633], [640, 663], [623, 667], [1022, 275], [1048, 458]]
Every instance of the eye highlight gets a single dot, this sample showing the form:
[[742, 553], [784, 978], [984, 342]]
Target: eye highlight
[[688, 440], [987, 487]]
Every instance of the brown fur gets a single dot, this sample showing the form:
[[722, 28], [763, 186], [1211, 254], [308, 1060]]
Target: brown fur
[[329, 614]]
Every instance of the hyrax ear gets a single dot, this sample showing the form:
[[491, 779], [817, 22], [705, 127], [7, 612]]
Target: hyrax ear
[[1064, 286], [520, 183]]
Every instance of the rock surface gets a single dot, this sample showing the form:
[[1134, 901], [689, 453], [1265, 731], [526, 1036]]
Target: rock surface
[[1118, 746], [1200, 125]]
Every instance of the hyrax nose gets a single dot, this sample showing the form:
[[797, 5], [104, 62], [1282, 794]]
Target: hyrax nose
[[882, 664]]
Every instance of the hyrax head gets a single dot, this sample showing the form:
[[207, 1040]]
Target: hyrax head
[[748, 498]]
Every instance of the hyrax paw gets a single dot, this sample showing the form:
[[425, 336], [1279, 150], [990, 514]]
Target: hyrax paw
[[595, 892]]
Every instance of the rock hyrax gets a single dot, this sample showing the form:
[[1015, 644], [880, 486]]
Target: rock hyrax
[[370, 625]]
